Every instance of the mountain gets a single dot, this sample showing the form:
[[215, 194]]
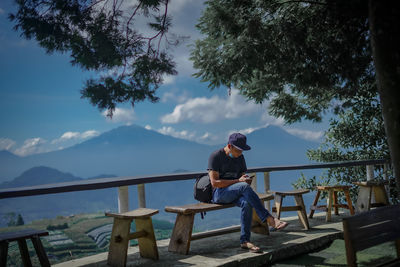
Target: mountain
[[134, 150], [272, 146], [127, 150], [51, 205], [39, 175]]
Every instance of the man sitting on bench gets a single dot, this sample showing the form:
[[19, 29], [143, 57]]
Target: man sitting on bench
[[226, 168]]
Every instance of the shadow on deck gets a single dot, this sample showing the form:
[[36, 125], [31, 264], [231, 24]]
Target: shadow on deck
[[224, 250]]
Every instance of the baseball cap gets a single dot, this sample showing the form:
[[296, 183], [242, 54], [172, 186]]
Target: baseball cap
[[238, 140]]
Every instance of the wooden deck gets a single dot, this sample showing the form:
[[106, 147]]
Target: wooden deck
[[224, 250]]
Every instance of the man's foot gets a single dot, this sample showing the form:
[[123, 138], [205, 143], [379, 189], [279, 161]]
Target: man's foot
[[251, 247], [276, 224]]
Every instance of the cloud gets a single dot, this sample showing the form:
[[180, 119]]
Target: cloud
[[209, 110], [306, 134], [67, 136], [90, 134], [168, 79], [247, 130], [178, 97], [268, 119], [32, 146], [6, 143], [168, 130], [126, 116]]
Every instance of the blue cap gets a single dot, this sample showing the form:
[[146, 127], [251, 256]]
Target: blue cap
[[238, 140]]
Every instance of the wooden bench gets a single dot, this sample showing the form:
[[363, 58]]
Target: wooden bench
[[21, 237], [182, 232], [372, 228], [120, 235]]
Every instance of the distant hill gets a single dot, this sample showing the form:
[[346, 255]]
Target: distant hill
[[51, 205], [39, 175], [134, 150]]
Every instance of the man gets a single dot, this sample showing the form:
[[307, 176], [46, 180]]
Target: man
[[227, 170]]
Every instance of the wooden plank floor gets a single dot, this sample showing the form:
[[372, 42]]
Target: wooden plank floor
[[225, 250]]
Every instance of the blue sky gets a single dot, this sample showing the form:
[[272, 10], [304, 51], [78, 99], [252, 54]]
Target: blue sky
[[41, 109]]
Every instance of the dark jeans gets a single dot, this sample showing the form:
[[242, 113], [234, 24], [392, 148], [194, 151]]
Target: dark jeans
[[242, 195]]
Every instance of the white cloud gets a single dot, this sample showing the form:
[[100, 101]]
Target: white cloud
[[90, 134], [69, 135], [268, 119], [76, 136], [32, 146], [126, 116], [178, 97], [208, 110], [168, 79], [247, 130], [178, 134], [6, 143], [306, 134]]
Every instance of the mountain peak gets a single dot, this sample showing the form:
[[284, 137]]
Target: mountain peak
[[40, 175]]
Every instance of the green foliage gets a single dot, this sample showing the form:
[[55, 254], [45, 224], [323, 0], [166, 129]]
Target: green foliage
[[57, 227], [20, 220], [12, 219], [357, 134], [305, 57], [101, 36]]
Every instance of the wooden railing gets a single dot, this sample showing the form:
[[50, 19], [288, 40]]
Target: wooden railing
[[123, 182]]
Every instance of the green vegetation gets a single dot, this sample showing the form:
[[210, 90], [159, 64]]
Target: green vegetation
[[72, 242], [57, 227], [309, 57], [12, 219]]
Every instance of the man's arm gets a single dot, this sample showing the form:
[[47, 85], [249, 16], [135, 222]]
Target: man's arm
[[218, 183]]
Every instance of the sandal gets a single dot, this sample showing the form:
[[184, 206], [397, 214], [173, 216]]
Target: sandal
[[251, 247], [278, 227]]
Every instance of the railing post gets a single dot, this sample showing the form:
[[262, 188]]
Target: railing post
[[141, 196], [386, 167], [370, 172], [123, 199], [267, 188], [254, 182], [370, 177]]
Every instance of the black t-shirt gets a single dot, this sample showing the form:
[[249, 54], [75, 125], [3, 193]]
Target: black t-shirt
[[227, 167]]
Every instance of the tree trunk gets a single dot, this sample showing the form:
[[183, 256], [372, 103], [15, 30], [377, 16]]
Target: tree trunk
[[385, 39]]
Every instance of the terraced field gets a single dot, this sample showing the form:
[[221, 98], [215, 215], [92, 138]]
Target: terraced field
[[74, 237]]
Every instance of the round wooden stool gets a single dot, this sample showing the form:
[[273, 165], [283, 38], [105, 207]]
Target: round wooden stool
[[368, 191], [300, 208], [332, 200]]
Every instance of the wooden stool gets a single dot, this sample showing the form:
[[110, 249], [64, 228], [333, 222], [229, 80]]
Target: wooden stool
[[364, 198], [332, 197], [21, 237], [120, 235], [300, 208]]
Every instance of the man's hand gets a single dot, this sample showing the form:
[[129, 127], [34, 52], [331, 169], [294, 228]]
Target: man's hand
[[246, 178]]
